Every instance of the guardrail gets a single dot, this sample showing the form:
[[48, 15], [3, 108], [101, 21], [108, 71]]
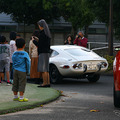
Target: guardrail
[[101, 43]]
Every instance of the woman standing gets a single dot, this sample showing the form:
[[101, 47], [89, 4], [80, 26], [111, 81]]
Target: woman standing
[[33, 53], [69, 40], [43, 45]]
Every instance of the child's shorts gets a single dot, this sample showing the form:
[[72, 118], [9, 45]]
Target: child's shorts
[[19, 81], [4, 64]]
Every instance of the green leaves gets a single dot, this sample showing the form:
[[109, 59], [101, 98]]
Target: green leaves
[[78, 12], [29, 11]]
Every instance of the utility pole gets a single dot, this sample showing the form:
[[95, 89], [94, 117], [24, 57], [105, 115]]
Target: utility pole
[[111, 29]]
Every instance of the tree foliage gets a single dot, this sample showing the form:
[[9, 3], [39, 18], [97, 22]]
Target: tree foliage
[[30, 11], [101, 10], [77, 12], [80, 13]]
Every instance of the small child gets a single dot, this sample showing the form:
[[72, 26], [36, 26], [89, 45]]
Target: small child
[[4, 59], [12, 50], [21, 66]]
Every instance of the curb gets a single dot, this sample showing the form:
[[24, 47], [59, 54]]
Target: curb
[[12, 110], [55, 94]]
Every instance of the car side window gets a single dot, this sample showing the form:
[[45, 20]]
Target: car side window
[[53, 53]]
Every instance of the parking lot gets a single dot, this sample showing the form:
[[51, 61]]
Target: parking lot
[[80, 100]]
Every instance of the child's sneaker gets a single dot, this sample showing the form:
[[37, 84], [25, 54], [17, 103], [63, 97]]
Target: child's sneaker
[[11, 80], [23, 100], [16, 99], [9, 83]]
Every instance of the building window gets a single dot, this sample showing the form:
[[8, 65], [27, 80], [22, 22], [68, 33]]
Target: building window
[[2, 28], [92, 30], [97, 30], [10, 28], [7, 28]]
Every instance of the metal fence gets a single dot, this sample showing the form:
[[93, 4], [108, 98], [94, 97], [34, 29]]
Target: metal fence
[[101, 48]]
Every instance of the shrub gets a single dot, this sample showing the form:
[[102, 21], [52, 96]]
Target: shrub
[[110, 60]]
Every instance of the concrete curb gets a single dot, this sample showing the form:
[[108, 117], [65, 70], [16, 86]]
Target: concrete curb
[[14, 106], [12, 110]]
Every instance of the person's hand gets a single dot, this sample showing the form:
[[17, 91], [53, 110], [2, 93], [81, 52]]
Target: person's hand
[[65, 41], [35, 38]]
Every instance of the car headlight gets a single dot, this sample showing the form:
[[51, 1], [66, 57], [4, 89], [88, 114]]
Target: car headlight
[[103, 64], [77, 65]]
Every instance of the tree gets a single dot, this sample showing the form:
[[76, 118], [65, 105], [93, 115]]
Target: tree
[[101, 11], [30, 11], [77, 12]]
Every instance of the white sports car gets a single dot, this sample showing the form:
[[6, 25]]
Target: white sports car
[[70, 61]]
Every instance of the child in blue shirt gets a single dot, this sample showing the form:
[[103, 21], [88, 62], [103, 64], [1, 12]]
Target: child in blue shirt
[[21, 66]]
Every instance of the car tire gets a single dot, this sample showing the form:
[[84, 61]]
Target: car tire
[[93, 78], [55, 76], [116, 98]]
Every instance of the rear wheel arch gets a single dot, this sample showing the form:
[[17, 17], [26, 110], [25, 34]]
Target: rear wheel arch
[[55, 76]]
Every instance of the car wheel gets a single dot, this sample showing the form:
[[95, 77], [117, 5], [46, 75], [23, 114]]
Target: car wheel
[[55, 76], [116, 98], [93, 78]]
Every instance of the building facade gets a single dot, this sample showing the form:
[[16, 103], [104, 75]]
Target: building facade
[[98, 32]]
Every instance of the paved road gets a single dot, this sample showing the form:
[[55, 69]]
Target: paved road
[[79, 98]]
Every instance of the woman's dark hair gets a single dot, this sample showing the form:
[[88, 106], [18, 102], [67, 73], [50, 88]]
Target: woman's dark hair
[[69, 36], [12, 35], [67, 39], [36, 33], [3, 39], [20, 42]]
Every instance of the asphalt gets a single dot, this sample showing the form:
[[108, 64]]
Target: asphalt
[[37, 98]]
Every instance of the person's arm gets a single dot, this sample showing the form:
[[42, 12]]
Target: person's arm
[[30, 48], [27, 59], [9, 50], [14, 47], [13, 61], [35, 42], [65, 42], [75, 41]]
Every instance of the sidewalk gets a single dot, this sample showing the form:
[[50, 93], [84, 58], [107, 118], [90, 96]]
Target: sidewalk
[[37, 97]]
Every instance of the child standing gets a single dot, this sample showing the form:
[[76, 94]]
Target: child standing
[[21, 66], [12, 50], [4, 58]]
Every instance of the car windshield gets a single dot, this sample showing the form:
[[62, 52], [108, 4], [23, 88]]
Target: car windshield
[[80, 52]]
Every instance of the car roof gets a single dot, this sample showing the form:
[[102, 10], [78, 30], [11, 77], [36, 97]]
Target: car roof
[[62, 47]]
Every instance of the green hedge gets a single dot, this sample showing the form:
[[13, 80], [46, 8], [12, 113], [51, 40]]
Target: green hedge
[[110, 60]]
